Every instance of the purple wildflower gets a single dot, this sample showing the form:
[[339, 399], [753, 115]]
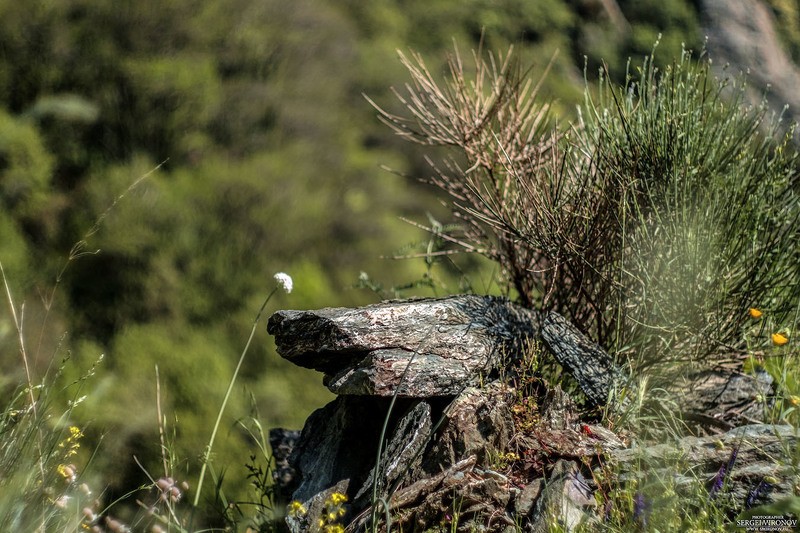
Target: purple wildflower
[[716, 486], [640, 509], [722, 474], [759, 490], [732, 459], [607, 510]]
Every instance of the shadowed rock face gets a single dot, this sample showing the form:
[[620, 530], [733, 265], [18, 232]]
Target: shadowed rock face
[[420, 348], [587, 362]]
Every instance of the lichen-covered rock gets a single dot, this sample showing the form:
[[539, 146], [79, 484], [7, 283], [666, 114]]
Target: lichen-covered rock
[[479, 497], [418, 348], [593, 369], [403, 453], [478, 422], [451, 420], [283, 441]]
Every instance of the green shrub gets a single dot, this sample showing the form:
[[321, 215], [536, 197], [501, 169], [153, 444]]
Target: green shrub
[[654, 222], [25, 166], [708, 210]]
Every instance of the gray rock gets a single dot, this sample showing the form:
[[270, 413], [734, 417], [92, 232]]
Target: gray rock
[[523, 504], [558, 410], [338, 448], [403, 453], [421, 348], [762, 451], [567, 500], [722, 397], [338, 444], [477, 423], [594, 370]]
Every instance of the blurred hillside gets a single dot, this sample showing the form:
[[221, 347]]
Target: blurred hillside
[[267, 158]]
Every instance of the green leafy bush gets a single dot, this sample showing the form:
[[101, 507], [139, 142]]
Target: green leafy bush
[[25, 167]]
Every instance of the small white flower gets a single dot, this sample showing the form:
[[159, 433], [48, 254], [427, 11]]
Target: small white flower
[[284, 280]]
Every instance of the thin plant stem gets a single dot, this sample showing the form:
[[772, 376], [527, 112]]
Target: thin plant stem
[[21, 337], [78, 250], [209, 447], [161, 424], [24, 353], [375, 481]]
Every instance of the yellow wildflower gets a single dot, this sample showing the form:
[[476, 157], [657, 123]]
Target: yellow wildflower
[[337, 498], [794, 399], [755, 313], [71, 443], [67, 472], [334, 528], [779, 339], [297, 509]]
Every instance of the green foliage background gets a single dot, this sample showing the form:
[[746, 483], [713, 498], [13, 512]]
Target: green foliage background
[[271, 162]]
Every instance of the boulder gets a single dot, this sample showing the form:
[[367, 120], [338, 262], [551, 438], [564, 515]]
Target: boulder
[[415, 348], [476, 423], [432, 379]]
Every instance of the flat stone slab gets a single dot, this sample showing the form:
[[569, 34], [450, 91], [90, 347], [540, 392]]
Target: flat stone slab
[[419, 348], [382, 372]]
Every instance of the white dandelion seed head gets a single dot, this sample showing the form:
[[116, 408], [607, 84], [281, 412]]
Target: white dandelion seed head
[[285, 281]]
